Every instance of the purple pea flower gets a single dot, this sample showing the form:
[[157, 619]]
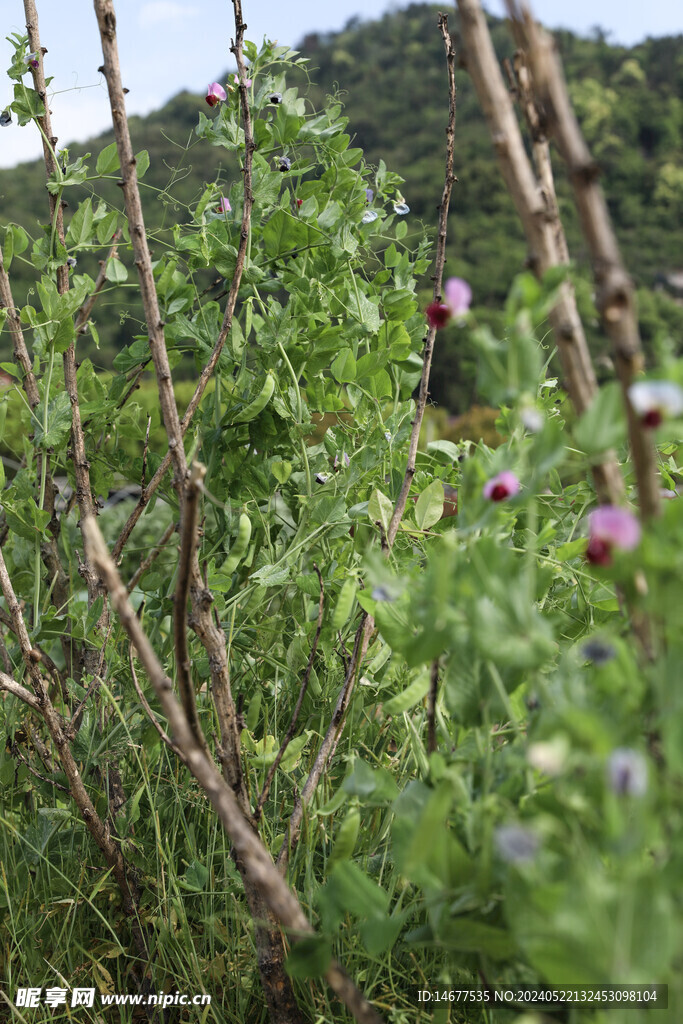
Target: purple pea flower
[[627, 772], [284, 163], [32, 60], [515, 844], [610, 527], [224, 205], [215, 94], [503, 486], [5, 118]]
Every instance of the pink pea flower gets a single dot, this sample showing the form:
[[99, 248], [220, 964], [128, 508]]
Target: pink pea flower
[[610, 527], [503, 486], [457, 295], [247, 81], [653, 400], [215, 93], [224, 205], [456, 301]]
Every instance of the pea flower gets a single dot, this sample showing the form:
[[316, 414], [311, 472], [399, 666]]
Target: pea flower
[[456, 300], [215, 93], [515, 844], [503, 486], [627, 772], [531, 419], [71, 262], [457, 295], [598, 651], [247, 81], [32, 60], [438, 314], [224, 205], [299, 202], [284, 163], [401, 209], [610, 527], [275, 97], [368, 217], [654, 400], [369, 195], [381, 594], [5, 118], [548, 756]]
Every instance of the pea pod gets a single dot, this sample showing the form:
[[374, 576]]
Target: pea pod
[[239, 548], [347, 834], [344, 604], [252, 410]]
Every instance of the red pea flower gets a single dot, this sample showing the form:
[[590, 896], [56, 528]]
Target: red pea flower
[[503, 486], [610, 527], [215, 93], [438, 314]]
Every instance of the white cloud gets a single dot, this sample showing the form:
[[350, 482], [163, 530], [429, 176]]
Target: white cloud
[[160, 11]]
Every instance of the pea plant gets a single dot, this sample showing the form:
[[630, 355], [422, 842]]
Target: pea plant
[[316, 717]]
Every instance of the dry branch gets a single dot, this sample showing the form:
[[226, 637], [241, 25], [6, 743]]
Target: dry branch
[[106, 20], [21, 356], [226, 325], [40, 702], [536, 206], [615, 292], [249, 849], [80, 460], [439, 263]]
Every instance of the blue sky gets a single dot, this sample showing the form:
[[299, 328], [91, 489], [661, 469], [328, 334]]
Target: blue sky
[[168, 45]]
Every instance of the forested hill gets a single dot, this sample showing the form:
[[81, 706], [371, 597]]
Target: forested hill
[[391, 76]]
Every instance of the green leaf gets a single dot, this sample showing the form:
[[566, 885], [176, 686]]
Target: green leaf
[[93, 616], [106, 228], [281, 470], [141, 163], [116, 272], [26, 104], [603, 425], [271, 575], [344, 366], [196, 878], [380, 509], [353, 892], [58, 422], [447, 449], [429, 506], [81, 227], [108, 160], [309, 957]]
